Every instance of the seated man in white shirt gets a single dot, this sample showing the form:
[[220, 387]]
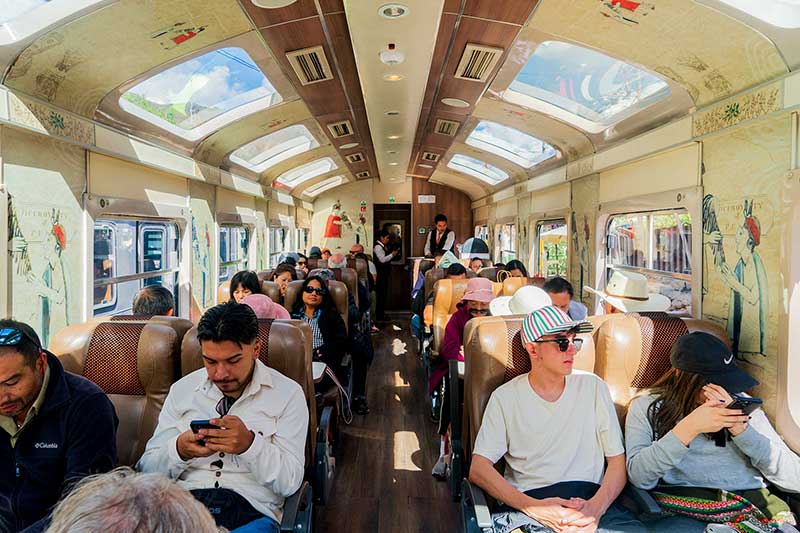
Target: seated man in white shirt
[[245, 468], [557, 430]]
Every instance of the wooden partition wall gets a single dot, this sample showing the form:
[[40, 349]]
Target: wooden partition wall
[[453, 203]]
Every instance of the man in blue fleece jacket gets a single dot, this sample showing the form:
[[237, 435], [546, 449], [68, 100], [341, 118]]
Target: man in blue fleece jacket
[[56, 428]]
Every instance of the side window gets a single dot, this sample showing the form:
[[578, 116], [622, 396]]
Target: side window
[[482, 232], [233, 247], [506, 244], [278, 243], [131, 254], [550, 253], [659, 245]]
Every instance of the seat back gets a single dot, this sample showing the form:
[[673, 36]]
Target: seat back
[[316, 263], [361, 268], [223, 292], [338, 292], [265, 275], [271, 289], [179, 324], [134, 363], [512, 285], [633, 350], [348, 276], [431, 277], [493, 355], [301, 274], [286, 347], [488, 273], [446, 297]]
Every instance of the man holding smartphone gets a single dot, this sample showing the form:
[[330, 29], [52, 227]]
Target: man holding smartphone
[[234, 432]]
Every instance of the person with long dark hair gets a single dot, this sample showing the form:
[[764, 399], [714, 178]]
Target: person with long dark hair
[[282, 275], [516, 269], [685, 440], [243, 284], [316, 307]]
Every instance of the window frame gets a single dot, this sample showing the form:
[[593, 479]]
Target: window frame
[[508, 155], [535, 260], [455, 167], [266, 164], [779, 12], [112, 254], [245, 261], [513, 237], [22, 27], [302, 178]]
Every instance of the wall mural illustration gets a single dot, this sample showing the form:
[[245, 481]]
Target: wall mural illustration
[[203, 284], [584, 204], [340, 219]]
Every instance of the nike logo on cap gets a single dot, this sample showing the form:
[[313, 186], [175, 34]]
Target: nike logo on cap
[[728, 359]]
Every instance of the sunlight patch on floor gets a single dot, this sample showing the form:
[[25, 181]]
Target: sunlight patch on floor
[[406, 444], [398, 347], [399, 382]]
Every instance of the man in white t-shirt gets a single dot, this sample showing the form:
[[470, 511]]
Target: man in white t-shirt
[[557, 430]]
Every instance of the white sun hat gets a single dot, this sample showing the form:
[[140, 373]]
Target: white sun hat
[[525, 301], [627, 291]]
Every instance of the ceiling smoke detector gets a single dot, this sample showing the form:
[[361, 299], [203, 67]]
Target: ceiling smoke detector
[[392, 113], [393, 11], [348, 146], [272, 4], [392, 56], [455, 102]]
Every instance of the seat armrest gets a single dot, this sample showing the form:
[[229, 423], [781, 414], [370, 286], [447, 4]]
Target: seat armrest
[[475, 495], [294, 505], [455, 401], [641, 502]]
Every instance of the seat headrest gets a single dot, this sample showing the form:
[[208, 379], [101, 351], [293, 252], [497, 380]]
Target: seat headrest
[[224, 292], [488, 273], [338, 292], [265, 275], [271, 289], [512, 285]]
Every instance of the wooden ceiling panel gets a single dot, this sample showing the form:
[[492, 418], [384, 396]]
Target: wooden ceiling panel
[[268, 17], [446, 28], [340, 36], [452, 6], [511, 11], [331, 6]]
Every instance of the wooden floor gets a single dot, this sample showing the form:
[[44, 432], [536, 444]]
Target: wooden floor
[[383, 480]]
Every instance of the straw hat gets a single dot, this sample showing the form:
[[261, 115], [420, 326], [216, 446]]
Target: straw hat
[[526, 300], [627, 291]]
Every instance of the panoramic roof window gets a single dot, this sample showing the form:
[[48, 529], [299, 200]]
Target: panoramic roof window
[[13, 9], [202, 94], [591, 87], [514, 145], [323, 186], [269, 150], [474, 167], [298, 175], [19, 19], [778, 13]]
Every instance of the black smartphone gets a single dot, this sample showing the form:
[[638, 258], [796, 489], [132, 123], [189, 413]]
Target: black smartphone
[[197, 425], [745, 403]]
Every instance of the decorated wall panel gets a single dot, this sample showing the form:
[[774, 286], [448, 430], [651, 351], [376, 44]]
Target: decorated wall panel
[[742, 228], [338, 219], [582, 251], [262, 245], [203, 236], [45, 230]]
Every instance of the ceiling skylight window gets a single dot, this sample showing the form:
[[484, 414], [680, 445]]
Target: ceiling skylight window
[[201, 95], [13, 9], [514, 145], [20, 19], [269, 150], [323, 186], [586, 88], [778, 13], [298, 175], [478, 169]]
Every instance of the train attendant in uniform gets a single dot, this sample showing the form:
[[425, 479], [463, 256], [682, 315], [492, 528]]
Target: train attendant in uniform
[[671, 447], [441, 240], [626, 292], [57, 429], [243, 284], [244, 468], [563, 472], [383, 264]]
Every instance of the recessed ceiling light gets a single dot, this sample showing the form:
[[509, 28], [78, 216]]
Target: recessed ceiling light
[[423, 165], [455, 102], [392, 113], [348, 146], [393, 11], [272, 4], [392, 77], [391, 151], [393, 137], [393, 164]]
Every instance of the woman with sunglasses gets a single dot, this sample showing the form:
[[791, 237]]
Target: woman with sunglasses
[[686, 439], [316, 307], [474, 304], [243, 284]]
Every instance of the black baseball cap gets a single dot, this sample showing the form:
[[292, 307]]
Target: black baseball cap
[[704, 354]]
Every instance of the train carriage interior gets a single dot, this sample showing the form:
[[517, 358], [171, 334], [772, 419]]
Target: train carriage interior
[[412, 207]]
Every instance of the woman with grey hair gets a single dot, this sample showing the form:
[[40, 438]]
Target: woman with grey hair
[[124, 501]]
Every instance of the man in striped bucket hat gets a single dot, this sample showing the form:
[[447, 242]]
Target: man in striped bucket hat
[[558, 432]]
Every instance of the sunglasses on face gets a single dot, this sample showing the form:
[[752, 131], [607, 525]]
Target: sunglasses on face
[[564, 342], [301, 263], [319, 291], [13, 336], [482, 312]]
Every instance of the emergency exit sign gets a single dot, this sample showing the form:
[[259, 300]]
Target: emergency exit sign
[[391, 199]]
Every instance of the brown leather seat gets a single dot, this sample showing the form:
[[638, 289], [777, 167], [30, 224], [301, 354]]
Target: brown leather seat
[[271, 289], [338, 292], [223, 292], [286, 347], [134, 363], [346, 275], [447, 295], [431, 277], [633, 350], [493, 355], [179, 324], [361, 267], [512, 285], [265, 275], [488, 273], [317, 263]]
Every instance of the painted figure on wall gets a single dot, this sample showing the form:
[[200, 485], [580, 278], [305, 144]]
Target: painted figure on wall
[[333, 226], [749, 306], [581, 250], [201, 249]]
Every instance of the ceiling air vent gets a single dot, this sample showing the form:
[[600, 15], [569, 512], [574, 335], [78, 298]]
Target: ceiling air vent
[[310, 65], [447, 127], [340, 129], [477, 62], [355, 158], [363, 174], [430, 156]]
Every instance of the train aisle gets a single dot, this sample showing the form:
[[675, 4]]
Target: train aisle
[[383, 480]]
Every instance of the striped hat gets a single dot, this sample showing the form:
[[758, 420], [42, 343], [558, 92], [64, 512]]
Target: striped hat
[[548, 321]]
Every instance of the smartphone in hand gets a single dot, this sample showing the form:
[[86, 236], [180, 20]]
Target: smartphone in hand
[[745, 403]]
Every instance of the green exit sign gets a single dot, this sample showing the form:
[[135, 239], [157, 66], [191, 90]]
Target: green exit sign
[[391, 199]]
